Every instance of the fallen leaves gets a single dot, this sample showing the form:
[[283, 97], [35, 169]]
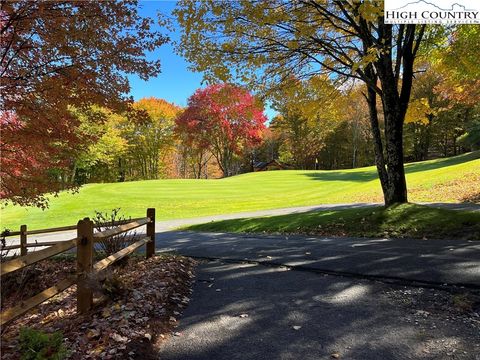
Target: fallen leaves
[[157, 291], [119, 338]]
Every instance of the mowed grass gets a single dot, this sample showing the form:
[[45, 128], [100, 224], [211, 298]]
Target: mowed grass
[[405, 220], [447, 180]]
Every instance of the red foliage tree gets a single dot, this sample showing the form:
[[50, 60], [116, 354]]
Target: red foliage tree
[[225, 119], [56, 55]]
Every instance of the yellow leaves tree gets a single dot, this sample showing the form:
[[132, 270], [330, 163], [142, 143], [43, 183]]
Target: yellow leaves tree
[[97, 159], [151, 138], [419, 111], [310, 109], [123, 146]]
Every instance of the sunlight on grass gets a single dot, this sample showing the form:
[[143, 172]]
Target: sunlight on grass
[[184, 198]]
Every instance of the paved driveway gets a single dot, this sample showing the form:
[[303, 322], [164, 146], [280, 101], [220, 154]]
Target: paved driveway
[[247, 311], [243, 309], [430, 261]]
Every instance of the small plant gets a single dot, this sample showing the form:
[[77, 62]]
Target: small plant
[[105, 221], [37, 345]]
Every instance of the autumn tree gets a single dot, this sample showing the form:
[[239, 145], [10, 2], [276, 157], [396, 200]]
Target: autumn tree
[[225, 119], [98, 157], [193, 156], [357, 119], [150, 138], [423, 109], [265, 42], [309, 110], [269, 148], [457, 62], [54, 55]]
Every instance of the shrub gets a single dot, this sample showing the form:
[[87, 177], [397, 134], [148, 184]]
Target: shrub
[[105, 221], [37, 345]]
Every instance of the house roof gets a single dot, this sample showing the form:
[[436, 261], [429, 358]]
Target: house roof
[[263, 164]]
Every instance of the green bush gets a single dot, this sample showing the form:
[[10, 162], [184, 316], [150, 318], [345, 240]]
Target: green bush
[[37, 345]]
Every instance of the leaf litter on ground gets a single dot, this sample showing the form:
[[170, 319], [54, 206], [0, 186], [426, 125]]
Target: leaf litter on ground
[[129, 326]]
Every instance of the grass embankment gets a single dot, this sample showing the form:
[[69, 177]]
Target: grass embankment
[[446, 180], [406, 220]]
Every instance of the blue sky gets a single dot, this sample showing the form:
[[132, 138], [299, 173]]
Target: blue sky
[[176, 82]]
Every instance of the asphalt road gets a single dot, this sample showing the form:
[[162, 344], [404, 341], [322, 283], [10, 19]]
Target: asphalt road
[[246, 311], [430, 261]]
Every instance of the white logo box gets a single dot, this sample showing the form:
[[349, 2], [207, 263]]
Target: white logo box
[[432, 12]]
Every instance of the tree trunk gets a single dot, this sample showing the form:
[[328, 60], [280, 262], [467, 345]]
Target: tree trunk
[[74, 172], [377, 141], [397, 186], [389, 163]]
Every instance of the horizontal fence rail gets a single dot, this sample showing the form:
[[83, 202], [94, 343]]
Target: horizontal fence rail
[[84, 242], [121, 229], [74, 227], [103, 264], [24, 245], [29, 259], [14, 312]]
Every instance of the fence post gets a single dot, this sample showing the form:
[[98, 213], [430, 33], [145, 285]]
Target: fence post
[[23, 240], [84, 265], [150, 251]]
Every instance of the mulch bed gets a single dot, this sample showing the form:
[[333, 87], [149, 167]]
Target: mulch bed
[[145, 298]]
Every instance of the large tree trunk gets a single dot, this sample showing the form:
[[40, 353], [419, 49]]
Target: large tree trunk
[[396, 191], [377, 141], [389, 162], [395, 100]]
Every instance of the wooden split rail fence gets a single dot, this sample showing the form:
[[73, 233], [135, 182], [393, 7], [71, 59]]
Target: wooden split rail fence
[[84, 242]]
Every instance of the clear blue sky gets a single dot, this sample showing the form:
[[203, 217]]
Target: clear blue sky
[[176, 82]]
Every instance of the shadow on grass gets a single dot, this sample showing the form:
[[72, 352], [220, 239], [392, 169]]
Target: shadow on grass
[[440, 163], [404, 220], [336, 175], [369, 175]]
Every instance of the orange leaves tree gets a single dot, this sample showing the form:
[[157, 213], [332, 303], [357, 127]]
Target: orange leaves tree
[[151, 138], [265, 42], [55, 56], [224, 119]]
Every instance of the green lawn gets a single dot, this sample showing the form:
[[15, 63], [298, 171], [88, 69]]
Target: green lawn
[[253, 191], [406, 220]]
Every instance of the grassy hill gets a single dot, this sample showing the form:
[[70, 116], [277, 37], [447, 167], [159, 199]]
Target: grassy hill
[[447, 180]]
